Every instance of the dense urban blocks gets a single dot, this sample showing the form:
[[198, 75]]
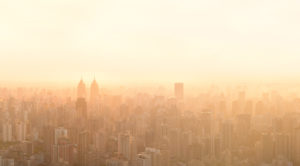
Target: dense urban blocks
[[94, 127]]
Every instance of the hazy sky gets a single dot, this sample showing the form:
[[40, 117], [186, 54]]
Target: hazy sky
[[154, 40]]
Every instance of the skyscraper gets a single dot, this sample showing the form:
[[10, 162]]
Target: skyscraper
[[81, 105], [20, 131], [94, 92], [178, 90], [83, 148], [124, 145], [206, 120], [59, 133], [100, 142], [267, 147], [296, 146], [81, 108], [143, 159], [48, 136], [81, 90], [7, 132], [226, 135]]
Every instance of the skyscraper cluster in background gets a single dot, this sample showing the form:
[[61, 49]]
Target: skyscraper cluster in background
[[91, 128]]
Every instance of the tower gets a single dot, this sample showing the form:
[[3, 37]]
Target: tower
[[81, 108], [296, 146], [226, 135], [83, 148], [7, 132], [267, 147], [94, 91], [178, 90], [20, 131], [124, 145], [81, 105], [81, 91]]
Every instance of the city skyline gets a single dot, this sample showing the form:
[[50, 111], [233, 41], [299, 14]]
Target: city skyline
[[149, 83]]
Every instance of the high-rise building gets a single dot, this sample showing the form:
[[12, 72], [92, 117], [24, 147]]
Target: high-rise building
[[267, 147], [7, 132], [81, 108], [296, 146], [155, 156], [243, 126], [81, 90], [94, 92], [143, 160], [60, 132], [174, 141], [100, 142], [63, 151], [48, 136], [124, 145], [165, 157], [83, 148], [282, 145], [8, 162], [178, 90], [27, 147], [226, 135], [133, 149], [127, 147], [206, 120], [20, 131]]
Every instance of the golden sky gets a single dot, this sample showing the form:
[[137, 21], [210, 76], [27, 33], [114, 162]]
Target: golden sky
[[146, 40]]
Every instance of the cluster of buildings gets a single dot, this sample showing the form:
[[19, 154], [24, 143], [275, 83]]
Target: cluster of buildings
[[40, 127]]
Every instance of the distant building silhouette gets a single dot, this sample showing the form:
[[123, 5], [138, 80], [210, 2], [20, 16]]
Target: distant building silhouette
[[81, 90], [178, 90], [7, 132], [94, 92], [81, 105], [81, 108], [83, 148]]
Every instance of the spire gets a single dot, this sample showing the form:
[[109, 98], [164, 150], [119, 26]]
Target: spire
[[94, 90], [81, 91]]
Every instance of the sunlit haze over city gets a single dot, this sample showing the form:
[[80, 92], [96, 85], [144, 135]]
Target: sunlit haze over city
[[149, 83], [138, 41]]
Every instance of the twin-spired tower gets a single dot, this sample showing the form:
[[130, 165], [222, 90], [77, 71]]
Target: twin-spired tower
[[94, 91], [81, 104]]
